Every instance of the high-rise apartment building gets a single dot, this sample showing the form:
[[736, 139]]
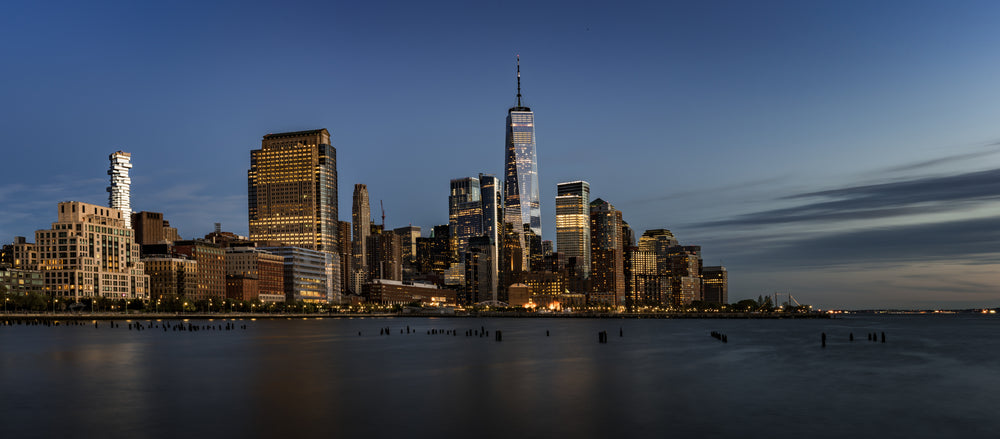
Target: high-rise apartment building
[[521, 200], [361, 217], [292, 185], [573, 223], [607, 269], [346, 254], [90, 252], [647, 287], [685, 274], [119, 193], [659, 242], [385, 255]]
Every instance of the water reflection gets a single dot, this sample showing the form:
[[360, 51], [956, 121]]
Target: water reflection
[[664, 378]]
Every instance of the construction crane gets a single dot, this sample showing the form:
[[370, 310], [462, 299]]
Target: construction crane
[[383, 213]]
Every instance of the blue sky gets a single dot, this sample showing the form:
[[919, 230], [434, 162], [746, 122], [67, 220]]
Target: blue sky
[[841, 151]]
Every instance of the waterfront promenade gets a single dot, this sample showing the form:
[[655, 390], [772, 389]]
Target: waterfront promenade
[[139, 315]]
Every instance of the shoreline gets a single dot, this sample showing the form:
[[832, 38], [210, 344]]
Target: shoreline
[[290, 316]]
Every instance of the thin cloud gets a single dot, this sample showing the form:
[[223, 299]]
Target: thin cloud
[[973, 241], [993, 148], [910, 197]]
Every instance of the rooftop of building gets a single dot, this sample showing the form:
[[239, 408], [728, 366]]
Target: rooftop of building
[[296, 133]]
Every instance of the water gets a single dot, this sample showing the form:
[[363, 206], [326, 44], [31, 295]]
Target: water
[[936, 376]]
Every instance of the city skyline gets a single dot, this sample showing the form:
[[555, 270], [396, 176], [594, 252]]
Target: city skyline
[[823, 157]]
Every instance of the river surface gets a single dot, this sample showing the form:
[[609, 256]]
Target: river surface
[[936, 376]]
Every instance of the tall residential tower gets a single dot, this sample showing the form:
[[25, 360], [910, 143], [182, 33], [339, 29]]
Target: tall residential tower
[[119, 196], [361, 217], [292, 185]]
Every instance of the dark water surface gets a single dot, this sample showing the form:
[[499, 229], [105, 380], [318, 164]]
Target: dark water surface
[[937, 376]]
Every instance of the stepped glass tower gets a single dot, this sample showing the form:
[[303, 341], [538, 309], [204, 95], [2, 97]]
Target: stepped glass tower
[[521, 201]]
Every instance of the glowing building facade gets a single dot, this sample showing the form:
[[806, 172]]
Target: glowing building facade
[[465, 212], [292, 185], [521, 201], [573, 223]]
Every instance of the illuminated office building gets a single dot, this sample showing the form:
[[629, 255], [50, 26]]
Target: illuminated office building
[[646, 286], [521, 200], [715, 285], [465, 212], [119, 193], [308, 274], [292, 185], [409, 235], [573, 223]]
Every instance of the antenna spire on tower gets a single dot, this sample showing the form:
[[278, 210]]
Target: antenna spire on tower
[[518, 80]]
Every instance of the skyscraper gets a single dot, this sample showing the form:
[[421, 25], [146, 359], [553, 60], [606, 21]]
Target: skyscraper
[[492, 199], [119, 193], [607, 273], [465, 212], [361, 217], [292, 185], [573, 223], [658, 242], [521, 202]]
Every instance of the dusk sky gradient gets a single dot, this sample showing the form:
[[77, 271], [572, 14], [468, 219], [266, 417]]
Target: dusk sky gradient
[[846, 152]]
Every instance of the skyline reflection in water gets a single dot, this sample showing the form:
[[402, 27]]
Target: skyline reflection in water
[[936, 375]]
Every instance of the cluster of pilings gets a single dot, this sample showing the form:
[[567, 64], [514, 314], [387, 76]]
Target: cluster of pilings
[[872, 337], [139, 325]]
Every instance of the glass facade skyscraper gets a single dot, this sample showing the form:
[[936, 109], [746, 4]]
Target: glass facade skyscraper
[[573, 223], [292, 185], [465, 212], [521, 201]]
